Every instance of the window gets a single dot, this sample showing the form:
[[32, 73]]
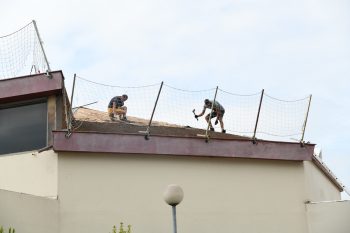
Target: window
[[23, 127]]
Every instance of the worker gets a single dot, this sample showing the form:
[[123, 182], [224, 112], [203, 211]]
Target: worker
[[218, 112], [116, 107]]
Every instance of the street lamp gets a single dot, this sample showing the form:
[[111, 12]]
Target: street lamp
[[173, 195]]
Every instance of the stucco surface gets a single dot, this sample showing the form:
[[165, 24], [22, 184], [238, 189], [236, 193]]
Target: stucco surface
[[329, 217], [318, 186], [97, 191], [30, 173], [27, 213]]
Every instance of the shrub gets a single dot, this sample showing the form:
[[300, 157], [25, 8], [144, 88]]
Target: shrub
[[11, 230], [121, 229]]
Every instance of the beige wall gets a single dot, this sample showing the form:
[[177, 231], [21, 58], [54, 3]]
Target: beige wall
[[329, 217], [318, 185], [30, 173], [27, 213], [97, 191]]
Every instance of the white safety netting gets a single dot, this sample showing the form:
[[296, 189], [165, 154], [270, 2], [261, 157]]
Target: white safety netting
[[21, 53]]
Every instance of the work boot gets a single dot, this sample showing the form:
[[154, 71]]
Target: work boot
[[111, 116], [212, 129], [223, 131]]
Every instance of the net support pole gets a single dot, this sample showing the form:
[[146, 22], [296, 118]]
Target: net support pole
[[304, 125], [72, 95], [66, 113], [42, 49], [211, 112], [154, 109], [258, 115]]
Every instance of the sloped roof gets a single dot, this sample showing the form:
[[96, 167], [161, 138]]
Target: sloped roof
[[89, 120]]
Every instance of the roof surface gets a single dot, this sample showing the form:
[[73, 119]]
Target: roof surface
[[89, 120]]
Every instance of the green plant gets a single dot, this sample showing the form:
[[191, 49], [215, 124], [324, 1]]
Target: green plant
[[11, 230], [121, 229]]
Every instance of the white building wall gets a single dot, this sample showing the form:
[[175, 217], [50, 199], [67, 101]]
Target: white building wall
[[318, 185], [97, 191], [30, 173], [27, 213], [329, 217]]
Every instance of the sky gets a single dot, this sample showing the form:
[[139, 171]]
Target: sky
[[290, 48]]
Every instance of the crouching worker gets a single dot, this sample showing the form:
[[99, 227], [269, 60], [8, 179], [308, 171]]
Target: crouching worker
[[116, 107], [218, 112]]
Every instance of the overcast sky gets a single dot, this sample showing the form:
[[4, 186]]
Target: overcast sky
[[290, 48]]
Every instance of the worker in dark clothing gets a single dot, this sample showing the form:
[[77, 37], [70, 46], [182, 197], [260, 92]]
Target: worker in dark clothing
[[218, 112], [116, 107]]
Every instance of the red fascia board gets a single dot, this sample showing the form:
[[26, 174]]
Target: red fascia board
[[181, 146], [28, 87]]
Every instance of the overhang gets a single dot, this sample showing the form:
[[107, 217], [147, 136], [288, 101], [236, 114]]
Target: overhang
[[30, 87], [179, 146]]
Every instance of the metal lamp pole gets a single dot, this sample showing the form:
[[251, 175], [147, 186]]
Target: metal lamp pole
[[173, 195]]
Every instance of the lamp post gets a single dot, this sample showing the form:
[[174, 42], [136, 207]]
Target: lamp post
[[173, 195]]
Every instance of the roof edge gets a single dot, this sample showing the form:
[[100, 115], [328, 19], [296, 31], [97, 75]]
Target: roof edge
[[321, 165], [32, 75], [31, 86], [180, 146]]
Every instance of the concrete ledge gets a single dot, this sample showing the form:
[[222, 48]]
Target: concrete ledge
[[30, 87], [136, 144]]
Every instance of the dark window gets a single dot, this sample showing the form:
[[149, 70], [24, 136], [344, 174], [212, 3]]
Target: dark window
[[23, 128]]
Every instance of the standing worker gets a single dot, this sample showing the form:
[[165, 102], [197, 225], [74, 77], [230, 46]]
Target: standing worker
[[116, 107], [218, 112]]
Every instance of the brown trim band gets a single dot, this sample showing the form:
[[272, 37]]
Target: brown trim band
[[136, 144], [30, 87]]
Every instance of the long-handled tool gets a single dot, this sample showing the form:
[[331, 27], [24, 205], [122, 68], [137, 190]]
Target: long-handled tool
[[194, 113]]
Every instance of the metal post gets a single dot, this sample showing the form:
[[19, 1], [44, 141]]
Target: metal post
[[72, 95], [68, 119], [304, 126], [154, 108], [42, 48], [211, 112], [174, 218], [257, 117]]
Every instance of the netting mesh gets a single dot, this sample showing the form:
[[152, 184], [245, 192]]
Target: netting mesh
[[21, 53], [176, 105], [240, 111], [282, 118], [97, 96], [278, 118]]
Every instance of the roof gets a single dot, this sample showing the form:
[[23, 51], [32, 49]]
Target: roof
[[89, 120], [95, 132]]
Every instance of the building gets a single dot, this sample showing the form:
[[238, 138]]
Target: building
[[104, 173]]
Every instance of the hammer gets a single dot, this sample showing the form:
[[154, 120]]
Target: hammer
[[194, 114]]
